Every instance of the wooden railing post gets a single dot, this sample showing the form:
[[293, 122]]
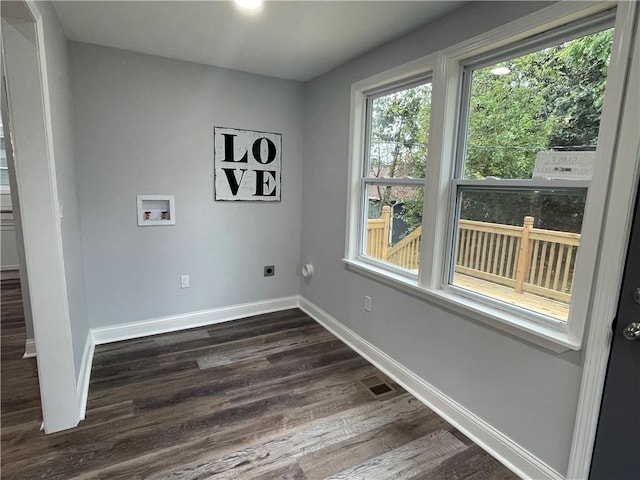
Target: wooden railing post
[[524, 255], [386, 216]]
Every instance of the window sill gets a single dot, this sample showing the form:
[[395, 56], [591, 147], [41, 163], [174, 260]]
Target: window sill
[[518, 326]]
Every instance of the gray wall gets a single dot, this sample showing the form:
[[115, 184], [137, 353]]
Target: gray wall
[[58, 72], [526, 392], [143, 125]]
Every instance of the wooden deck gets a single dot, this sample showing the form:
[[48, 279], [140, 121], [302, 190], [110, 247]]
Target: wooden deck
[[529, 301]]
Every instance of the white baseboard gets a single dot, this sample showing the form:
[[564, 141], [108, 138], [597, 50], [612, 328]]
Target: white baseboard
[[85, 375], [184, 321], [127, 331], [29, 348], [508, 452]]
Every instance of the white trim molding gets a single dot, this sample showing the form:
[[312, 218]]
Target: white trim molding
[[172, 323], [503, 448], [27, 113], [84, 375], [29, 348], [616, 230], [185, 321]]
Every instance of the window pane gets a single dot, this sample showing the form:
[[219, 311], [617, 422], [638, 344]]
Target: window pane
[[393, 230], [488, 256], [399, 125], [550, 99]]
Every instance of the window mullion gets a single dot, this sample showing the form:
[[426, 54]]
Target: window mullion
[[435, 219], [362, 218]]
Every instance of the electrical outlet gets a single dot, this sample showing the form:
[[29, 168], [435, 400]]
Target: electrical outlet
[[269, 270], [367, 303], [184, 281]]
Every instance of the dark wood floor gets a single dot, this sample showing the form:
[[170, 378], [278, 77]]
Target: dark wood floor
[[268, 397]]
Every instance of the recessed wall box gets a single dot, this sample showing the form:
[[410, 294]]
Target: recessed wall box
[[156, 210]]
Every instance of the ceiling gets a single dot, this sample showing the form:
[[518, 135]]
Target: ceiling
[[295, 40]]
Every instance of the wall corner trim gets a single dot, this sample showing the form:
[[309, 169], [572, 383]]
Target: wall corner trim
[[85, 375], [504, 449], [29, 348], [173, 323]]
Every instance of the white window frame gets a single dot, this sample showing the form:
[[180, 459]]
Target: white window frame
[[438, 212], [589, 25], [405, 76], [365, 181]]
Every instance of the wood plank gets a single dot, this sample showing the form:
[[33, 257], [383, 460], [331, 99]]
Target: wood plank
[[534, 262], [360, 448], [492, 260], [567, 271], [548, 302], [251, 351], [503, 253], [414, 458], [472, 250], [467, 248], [543, 264], [472, 463], [484, 251], [552, 256]]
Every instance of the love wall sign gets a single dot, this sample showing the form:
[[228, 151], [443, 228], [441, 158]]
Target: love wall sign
[[246, 165]]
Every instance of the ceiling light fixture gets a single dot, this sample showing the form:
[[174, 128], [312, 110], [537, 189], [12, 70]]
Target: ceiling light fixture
[[248, 4], [500, 70]]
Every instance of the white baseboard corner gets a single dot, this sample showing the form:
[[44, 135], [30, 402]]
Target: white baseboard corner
[[85, 375], [496, 443], [173, 323], [29, 348]]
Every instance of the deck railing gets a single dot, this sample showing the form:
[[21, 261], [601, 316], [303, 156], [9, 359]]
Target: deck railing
[[406, 252], [378, 234], [524, 258]]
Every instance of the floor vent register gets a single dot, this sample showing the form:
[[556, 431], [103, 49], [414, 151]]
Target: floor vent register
[[377, 387]]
